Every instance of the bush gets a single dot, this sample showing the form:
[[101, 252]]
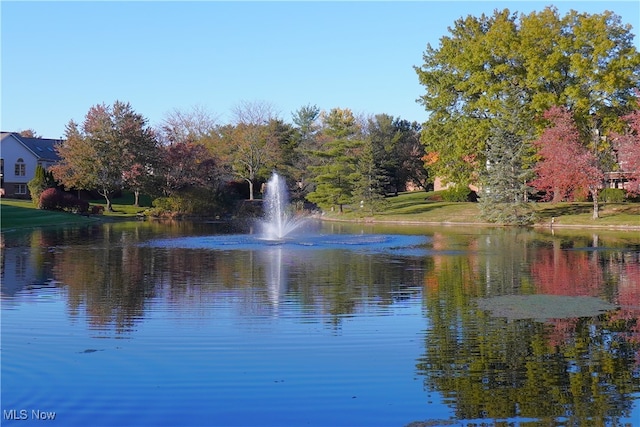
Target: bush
[[73, 204], [456, 194], [51, 199], [612, 195], [57, 200]]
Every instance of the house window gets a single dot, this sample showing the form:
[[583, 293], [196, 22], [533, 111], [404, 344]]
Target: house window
[[20, 189], [21, 169]]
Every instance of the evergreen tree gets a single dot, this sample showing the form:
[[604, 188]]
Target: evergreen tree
[[505, 189], [42, 180], [369, 180], [336, 173]]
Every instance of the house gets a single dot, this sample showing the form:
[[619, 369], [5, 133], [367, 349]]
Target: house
[[20, 156]]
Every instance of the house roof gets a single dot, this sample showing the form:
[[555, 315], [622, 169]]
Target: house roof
[[42, 148]]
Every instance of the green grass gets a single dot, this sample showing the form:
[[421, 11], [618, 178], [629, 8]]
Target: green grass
[[123, 206], [422, 207], [16, 214], [412, 207]]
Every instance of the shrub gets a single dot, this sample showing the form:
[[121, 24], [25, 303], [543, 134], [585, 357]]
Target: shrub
[[54, 199], [458, 193], [51, 199], [612, 195]]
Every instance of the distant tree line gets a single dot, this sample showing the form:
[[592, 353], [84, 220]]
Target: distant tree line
[[192, 164]]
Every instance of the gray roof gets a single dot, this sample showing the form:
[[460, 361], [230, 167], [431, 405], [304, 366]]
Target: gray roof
[[42, 148]]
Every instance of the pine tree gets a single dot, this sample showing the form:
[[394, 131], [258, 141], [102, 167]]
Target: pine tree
[[336, 172], [42, 180], [504, 195]]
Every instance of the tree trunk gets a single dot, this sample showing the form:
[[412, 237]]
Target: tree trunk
[[105, 194], [596, 207], [250, 189], [136, 194]]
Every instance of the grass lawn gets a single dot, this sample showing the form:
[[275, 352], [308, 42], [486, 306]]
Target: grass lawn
[[412, 207], [16, 214], [421, 207]]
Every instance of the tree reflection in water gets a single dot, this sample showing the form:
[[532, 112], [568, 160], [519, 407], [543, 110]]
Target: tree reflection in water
[[565, 369], [571, 369]]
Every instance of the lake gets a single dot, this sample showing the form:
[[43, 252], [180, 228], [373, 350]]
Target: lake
[[202, 324]]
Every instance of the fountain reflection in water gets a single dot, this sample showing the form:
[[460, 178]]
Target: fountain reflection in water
[[279, 222]]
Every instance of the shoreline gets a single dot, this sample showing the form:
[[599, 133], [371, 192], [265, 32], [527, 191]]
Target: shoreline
[[536, 226]]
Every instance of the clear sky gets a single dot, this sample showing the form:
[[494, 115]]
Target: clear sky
[[60, 58]]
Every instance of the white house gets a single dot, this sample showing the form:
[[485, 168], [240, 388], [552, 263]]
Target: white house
[[20, 156]]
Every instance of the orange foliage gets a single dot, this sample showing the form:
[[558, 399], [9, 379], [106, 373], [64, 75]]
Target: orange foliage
[[431, 158]]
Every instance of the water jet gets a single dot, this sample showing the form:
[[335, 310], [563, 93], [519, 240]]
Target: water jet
[[278, 222]]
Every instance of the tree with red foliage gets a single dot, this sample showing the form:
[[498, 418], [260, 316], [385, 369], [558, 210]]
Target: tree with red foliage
[[566, 165], [187, 165], [97, 154], [627, 145]]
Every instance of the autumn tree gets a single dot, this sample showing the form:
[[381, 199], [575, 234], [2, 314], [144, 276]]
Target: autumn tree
[[29, 133], [97, 155], [186, 166], [566, 165], [251, 149], [190, 125], [587, 63], [627, 145]]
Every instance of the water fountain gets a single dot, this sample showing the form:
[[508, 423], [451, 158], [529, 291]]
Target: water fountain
[[278, 222], [280, 228]]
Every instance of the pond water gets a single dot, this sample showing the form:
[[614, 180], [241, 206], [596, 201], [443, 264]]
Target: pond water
[[148, 324]]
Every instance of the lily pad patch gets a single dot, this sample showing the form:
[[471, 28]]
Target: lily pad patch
[[544, 307]]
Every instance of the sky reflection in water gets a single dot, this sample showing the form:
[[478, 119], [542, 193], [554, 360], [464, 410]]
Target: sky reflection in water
[[124, 325]]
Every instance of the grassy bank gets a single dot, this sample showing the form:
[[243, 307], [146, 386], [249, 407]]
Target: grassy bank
[[17, 214], [409, 208], [421, 207]]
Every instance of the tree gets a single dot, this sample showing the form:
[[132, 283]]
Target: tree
[[191, 125], [410, 154], [627, 145], [566, 165], [369, 178], [336, 173], [397, 151], [29, 133], [247, 145], [110, 142], [505, 180], [186, 166], [587, 63], [304, 143], [42, 180], [140, 155]]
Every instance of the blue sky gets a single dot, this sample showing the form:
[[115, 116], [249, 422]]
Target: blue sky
[[60, 58]]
